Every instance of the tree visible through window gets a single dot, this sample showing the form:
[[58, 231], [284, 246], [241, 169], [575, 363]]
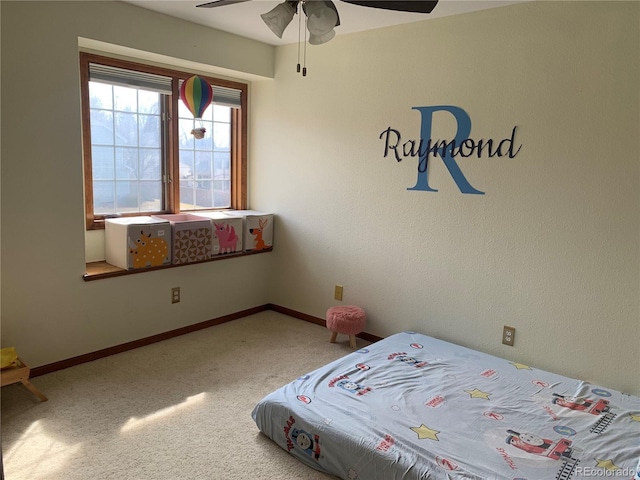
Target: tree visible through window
[[205, 164], [126, 149], [142, 159]]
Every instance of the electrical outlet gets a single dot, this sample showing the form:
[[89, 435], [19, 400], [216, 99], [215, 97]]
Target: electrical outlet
[[508, 335], [337, 293], [175, 295]]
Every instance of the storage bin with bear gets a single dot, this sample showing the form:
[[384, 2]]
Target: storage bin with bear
[[137, 242]]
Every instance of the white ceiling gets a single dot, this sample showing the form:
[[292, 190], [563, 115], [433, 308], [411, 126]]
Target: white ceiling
[[244, 18]]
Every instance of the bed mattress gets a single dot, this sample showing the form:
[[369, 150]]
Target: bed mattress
[[415, 407]]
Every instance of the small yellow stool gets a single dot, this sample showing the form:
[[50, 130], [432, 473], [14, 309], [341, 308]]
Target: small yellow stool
[[20, 373]]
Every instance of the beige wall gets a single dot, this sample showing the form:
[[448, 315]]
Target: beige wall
[[48, 312], [552, 248]]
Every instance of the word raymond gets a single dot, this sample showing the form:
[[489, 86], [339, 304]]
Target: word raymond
[[461, 145], [466, 148]]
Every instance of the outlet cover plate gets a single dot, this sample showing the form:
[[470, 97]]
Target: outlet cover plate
[[508, 335]]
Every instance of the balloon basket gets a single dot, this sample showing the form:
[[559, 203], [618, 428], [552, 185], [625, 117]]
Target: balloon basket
[[199, 133]]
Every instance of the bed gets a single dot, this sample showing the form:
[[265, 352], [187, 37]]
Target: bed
[[415, 407]]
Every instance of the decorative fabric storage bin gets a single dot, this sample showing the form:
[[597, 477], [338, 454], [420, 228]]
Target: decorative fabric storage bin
[[190, 237], [258, 229], [227, 232], [137, 242]]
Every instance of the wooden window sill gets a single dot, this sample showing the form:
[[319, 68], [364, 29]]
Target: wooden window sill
[[100, 270]]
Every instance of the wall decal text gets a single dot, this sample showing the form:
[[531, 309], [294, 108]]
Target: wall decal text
[[461, 146]]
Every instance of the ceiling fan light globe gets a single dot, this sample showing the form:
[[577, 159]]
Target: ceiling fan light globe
[[279, 18], [320, 39], [322, 21]]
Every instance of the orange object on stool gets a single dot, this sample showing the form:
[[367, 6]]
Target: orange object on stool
[[347, 320]]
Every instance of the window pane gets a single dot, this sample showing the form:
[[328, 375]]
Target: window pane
[[102, 127], [126, 163], [126, 131], [103, 163], [183, 111], [100, 95], [208, 113], [125, 99], [186, 164], [148, 102], [151, 196], [205, 162], [127, 156], [150, 164], [127, 197], [203, 165], [221, 193], [222, 136], [149, 130], [204, 194], [184, 133], [221, 114], [136, 197], [103, 197], [187, 195], [222, 166], [206, 142]]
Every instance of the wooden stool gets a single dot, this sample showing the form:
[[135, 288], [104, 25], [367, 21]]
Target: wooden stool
[[348, 320], [20, 373]]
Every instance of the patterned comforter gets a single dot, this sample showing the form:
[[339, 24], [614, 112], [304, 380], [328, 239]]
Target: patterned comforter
[[414, 407]]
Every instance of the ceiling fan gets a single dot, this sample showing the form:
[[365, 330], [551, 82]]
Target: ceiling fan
[[322, 15]]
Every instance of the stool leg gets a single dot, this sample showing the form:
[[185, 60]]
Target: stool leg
[[34, 390], [352, 341], [334, 335]]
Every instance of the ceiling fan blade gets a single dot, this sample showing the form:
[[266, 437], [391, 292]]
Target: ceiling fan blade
[[328, 4], [417, 6], [333, 7], [220, 3]]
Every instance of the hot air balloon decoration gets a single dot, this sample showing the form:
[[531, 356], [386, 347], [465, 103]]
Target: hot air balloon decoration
[[196, 94]]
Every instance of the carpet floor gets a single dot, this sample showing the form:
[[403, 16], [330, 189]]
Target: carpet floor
[[178, 409]]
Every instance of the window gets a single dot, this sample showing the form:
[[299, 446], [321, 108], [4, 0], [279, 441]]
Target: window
[[140, 156]]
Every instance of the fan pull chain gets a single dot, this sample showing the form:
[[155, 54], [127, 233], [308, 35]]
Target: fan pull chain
[[304, 63], [299, 30]]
